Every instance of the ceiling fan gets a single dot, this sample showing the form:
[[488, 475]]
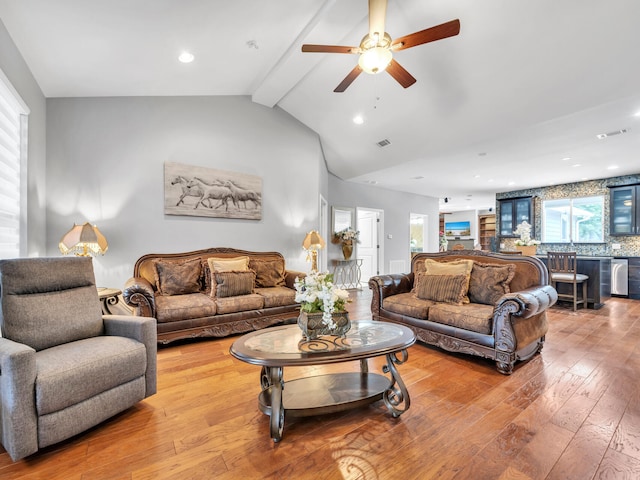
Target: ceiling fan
[[376, 48]]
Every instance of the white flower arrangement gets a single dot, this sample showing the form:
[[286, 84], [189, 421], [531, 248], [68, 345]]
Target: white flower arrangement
[[524, 230], [346, 236], [317, 293]]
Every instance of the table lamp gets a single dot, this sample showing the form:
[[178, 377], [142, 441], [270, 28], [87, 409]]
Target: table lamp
[[312, 243], [83, 240]]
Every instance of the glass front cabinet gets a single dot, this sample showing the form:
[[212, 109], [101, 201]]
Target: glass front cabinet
[[514, 211], [624, 211]]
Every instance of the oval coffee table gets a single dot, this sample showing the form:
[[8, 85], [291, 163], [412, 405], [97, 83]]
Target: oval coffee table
[[278, 347]]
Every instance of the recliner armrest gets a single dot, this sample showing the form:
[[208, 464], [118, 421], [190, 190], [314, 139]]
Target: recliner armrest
[[139, 294], [142, 329], [17, 399]]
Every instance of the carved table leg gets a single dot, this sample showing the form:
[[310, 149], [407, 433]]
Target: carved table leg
[[271, 377], [396, 397]]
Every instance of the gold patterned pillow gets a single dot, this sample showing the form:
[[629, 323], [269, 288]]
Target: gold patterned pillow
[[442, 288], [235, 264], [489, 281], [232, 284], [454, 267], [269, 273], [177, 278]]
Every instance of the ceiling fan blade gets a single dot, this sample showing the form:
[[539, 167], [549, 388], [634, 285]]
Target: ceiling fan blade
[[432, 34], [377, 14], [328, 49], [398, 72], [348, 80]]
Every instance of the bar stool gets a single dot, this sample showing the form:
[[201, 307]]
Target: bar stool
[[562, 269]]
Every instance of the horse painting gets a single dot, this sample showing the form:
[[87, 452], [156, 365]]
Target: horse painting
[[203, 192]]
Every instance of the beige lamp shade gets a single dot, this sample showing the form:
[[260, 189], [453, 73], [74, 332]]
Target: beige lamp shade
[[313, 241], [83, 240]]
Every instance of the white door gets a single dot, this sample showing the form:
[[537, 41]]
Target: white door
[[368, 250]]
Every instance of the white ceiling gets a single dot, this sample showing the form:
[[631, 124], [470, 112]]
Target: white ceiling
[[525, 85]]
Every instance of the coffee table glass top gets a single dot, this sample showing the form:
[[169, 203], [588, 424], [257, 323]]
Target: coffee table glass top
[[286, 345]]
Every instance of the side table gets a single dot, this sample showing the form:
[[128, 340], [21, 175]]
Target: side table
[[109, 297], [347, 273]]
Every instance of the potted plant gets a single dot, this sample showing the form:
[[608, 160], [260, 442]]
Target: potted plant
[[525, 243], [346, 237], [322, 306]]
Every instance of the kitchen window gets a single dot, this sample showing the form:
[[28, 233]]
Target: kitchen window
[[573, 220]]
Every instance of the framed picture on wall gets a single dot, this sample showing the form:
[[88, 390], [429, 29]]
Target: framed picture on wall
[[206, 192]]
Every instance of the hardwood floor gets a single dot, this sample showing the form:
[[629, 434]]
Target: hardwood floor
[[573, 412]]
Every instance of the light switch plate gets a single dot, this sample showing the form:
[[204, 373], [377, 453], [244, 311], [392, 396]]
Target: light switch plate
[[615, 246]]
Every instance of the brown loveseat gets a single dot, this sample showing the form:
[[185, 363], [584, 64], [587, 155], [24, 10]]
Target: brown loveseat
[[244, 291], [497, 312]]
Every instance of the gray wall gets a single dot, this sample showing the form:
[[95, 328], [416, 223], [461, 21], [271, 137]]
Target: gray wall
[[396, 206], [18, 73], [105, 164]]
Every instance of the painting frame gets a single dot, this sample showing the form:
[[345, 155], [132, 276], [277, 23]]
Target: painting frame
[[207, 192]]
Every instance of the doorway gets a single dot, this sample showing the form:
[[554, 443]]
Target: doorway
[[418, 233], [323, 222], [369, 250]]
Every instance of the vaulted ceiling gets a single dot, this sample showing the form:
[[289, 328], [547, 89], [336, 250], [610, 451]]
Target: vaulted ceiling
[[515, 101]]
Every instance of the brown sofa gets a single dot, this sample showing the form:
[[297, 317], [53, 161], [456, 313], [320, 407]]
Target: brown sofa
[[189, 300], [503, 319]]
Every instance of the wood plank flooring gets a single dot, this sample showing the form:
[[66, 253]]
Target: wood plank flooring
[[573, 412]]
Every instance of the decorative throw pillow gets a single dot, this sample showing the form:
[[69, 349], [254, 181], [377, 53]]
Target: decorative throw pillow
[[177, 278], [442, 288], [454, 267], [235, 264], [269, 273], [489, 281], [232, 284]]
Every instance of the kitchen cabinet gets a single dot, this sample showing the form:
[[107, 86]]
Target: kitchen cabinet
[[514, 211], [634, 277], [624, 210]]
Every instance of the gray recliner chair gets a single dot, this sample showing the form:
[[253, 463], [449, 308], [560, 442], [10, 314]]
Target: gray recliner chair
[[64, 367]]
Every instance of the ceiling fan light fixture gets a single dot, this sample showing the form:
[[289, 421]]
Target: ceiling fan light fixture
[[375, 60]]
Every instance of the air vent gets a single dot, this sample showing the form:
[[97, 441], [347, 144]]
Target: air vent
[[611, 134], [383, 143]]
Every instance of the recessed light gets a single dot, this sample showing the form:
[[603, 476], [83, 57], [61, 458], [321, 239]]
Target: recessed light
[[358, 120], [576, 165], [186, 57], [612, 167], [476, 176], [566, 159], [511, 183]]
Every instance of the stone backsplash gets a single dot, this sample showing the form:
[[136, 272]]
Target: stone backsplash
[[629, 245]]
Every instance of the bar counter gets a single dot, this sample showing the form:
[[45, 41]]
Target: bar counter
[[599, 283]]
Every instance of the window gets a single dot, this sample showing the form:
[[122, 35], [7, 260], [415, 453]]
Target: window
[[573, 220], [13, 127]]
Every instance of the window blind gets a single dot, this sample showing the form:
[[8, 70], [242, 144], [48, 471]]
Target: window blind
[[10, 174]]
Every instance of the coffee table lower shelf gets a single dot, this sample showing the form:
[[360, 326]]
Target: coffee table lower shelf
[[325, 394]]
